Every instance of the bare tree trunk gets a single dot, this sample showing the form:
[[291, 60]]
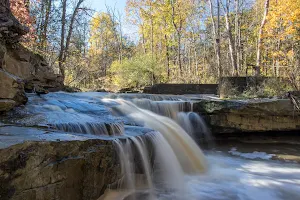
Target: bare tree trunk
[[178, 29], [179, 53], [230, 40], [62, 39], [152, 42], [143, 39], [237, 28], [74, 14], [195, 54], [259, 41], [121, 39], [117, 22], [46, 22], [167, 57], [216, 33], [40, 24]]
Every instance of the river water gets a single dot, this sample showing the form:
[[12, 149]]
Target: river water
[[176, 168]]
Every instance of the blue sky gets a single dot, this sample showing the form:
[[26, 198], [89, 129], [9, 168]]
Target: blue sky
[[100, 5], [119, 6]]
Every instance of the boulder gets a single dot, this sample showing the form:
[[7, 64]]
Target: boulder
[[261, 115]]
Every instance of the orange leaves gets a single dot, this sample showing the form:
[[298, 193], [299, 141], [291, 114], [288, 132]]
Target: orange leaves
[[20, 9]]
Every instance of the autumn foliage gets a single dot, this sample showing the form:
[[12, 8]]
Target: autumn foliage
[[165, 41], [20, 9]]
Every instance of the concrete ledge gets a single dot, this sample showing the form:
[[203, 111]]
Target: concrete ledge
[[182, 89]]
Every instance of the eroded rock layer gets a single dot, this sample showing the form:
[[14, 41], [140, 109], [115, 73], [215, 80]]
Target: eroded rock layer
[[250, 116], [66, 170]]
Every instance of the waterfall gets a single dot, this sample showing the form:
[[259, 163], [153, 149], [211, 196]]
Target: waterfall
[[106, 129], [186, 150], [175, 153], [152, 134]]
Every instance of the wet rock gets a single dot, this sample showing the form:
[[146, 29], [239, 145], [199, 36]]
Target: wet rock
[[41, 164], [71, 89], [6, 104], [58, 170], [40, 90], [249, 116]]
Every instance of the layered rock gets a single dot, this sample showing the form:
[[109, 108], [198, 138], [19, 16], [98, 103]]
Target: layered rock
[[58, 170], [43, 164], [20, 69], [233, 116]]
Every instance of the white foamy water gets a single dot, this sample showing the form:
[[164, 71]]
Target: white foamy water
[[231, 178], [253, 155]]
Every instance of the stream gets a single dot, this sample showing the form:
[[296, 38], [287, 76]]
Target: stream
[[162, 130]]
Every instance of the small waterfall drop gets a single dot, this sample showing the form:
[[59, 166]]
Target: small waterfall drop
[[106, 129], [175, 153], [186, 150]]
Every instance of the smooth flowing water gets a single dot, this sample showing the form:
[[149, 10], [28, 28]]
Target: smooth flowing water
[[158, 132]]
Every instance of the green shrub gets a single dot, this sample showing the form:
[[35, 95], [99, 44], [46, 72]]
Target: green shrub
[[227, 90], [136, 72], [270, 87]]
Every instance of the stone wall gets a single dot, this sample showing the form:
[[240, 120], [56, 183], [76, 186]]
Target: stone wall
[[179, 89]]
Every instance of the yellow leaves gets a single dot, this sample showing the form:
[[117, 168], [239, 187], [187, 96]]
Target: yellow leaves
[[283, 19], [103, 32], [290, 54]]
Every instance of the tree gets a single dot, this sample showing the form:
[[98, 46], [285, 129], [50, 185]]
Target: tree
[[259, 41], [65, 43], [103, 46], [135, 72], [231, 45], [282, 38], [216, 33]]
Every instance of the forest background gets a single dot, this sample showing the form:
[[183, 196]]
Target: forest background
[[177, 41]]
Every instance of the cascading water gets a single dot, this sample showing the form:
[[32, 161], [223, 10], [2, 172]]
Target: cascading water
[[153, 135], [175, 152], [164, 150], [186, 150], [178, 108]]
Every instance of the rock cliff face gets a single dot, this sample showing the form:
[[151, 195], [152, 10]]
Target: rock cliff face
[[261, 115], [20, 69]]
